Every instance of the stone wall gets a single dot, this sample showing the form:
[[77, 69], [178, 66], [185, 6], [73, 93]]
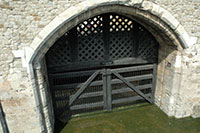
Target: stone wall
[[187, 12], [20, 23]]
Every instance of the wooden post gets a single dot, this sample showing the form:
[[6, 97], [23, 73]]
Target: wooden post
[[107, 91]]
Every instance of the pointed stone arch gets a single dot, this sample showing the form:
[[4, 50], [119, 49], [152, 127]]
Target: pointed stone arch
[[161, 23]]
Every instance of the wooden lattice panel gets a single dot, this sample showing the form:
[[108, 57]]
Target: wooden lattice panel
[[121, 45], [148, 47], [92, 25], [120, 23], [90, 40], [101, 39], [90, 47], [59, 53]]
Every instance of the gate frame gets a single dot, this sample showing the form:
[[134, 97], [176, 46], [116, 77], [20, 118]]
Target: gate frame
[[151, 13]]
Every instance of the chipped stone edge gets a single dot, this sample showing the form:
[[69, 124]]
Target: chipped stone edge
[[169, 19]]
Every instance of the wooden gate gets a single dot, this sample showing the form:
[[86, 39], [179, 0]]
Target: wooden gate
[[104, 62]]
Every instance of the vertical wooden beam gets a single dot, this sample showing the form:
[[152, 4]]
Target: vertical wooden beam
[[104, 88], [136, 38], [107, 91], [73, 43], [106, 28]]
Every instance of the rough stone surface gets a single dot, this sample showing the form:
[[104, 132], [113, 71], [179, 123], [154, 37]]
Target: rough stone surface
[[178, 82]]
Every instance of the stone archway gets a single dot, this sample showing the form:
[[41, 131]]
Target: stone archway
[[164, 27]]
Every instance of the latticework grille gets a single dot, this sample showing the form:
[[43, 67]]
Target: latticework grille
[[120, 23], [103, 38], [121, 47], [59, 54], [148, 47], [90, 48], [92, 25]]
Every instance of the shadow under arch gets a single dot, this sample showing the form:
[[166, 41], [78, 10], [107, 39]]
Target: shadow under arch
[[162, 29]]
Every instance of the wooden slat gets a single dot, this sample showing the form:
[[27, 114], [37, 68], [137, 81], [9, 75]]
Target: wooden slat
[[129, 99], [72, 74], [100, 93], [76, 66], [84, 95], [84, 106], [97, 83], [134, 68], [135, 78], [78, 93], [124, 90], [131, 86], [91, 94]]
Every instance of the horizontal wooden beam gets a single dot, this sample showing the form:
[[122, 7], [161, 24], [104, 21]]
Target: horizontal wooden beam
[[134, 68], [72, 74], [125, 90], [100, 82], [129, 99], [84, 106], [100, 93]]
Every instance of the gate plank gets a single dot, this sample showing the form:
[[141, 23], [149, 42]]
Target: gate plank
[[100, 93], [78, 93], [134, 68], [97, 83], [124, 90], [131, 86], [72, 74], [129, 99], [84, 106]]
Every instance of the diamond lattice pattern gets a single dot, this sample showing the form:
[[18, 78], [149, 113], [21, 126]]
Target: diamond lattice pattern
[[59, 53]]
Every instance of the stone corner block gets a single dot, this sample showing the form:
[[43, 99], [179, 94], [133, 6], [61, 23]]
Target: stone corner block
[[36, 42], [187, 41], [169, 19], [133, 2], [29, 52], [147, 6], [155, 10]]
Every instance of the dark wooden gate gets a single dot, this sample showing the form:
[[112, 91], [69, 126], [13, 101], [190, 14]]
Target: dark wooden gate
[[104, 62]]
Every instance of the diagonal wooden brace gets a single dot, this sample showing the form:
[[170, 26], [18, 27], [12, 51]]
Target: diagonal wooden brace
[[83, 87], [131, 86]]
